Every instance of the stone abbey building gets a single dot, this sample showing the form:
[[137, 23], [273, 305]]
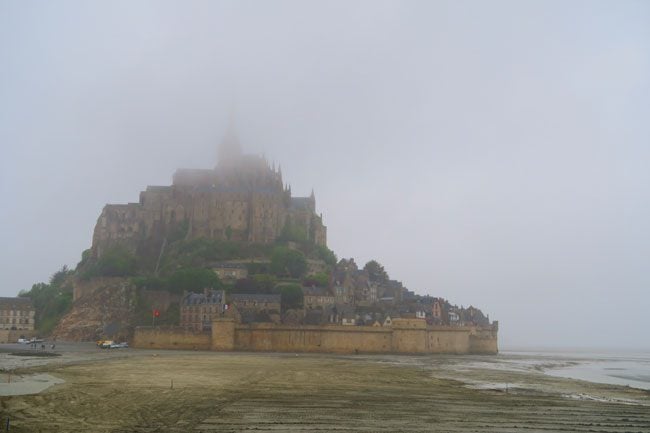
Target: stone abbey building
[[242, 199]]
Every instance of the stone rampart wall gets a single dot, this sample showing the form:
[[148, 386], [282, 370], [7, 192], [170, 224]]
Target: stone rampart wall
[[331, 339], [405, 336], [170, 338]]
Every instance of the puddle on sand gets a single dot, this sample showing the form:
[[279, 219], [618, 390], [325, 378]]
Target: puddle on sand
[[27, 383]]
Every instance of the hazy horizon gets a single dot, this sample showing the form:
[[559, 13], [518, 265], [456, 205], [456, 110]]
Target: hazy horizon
[[492, 153]]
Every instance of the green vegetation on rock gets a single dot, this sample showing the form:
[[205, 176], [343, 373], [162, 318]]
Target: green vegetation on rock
[[114, 262], [293, 233], [190, 279], [286, 262], [203, 252], [51, 301], [325, 254], [320, 280]]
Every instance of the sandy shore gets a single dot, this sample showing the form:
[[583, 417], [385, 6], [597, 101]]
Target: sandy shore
[[148, 391]]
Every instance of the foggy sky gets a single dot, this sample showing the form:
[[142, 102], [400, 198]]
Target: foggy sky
[[493, 153]]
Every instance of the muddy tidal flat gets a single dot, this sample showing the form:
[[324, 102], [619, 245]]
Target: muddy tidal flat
[[129, 390]]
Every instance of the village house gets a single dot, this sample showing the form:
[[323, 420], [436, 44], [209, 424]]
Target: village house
[[256, 302], [343, 295], [317, 297], [198, 309], [16, 314]]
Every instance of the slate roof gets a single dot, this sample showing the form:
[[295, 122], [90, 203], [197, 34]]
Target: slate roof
[[315, 291], [300, 202], [214, 297], [17, 302]]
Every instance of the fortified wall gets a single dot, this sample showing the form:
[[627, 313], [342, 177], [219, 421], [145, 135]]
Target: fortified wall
[[404, 336]]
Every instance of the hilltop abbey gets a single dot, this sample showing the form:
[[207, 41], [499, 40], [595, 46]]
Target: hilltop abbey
[[242, 199]]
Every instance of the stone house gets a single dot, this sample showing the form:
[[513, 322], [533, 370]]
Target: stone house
[[317, 297], [343, 294], [17, 314], [198, 309], [256, 302]]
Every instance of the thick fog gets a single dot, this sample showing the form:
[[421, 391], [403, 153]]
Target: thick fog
[[492, 153]]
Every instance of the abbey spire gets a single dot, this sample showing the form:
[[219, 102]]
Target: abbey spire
[[229, 148]]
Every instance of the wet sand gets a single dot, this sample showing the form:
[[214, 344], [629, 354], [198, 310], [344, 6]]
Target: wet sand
[[150, 391]]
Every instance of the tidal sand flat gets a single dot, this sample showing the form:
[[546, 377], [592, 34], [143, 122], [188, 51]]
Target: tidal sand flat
[[151, 391]]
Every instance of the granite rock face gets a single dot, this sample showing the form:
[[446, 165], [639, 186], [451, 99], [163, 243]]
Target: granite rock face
[[103, 307]]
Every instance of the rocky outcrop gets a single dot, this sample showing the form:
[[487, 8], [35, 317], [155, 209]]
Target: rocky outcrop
[[103, 307]]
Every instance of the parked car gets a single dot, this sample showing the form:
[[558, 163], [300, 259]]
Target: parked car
[[119, 345]]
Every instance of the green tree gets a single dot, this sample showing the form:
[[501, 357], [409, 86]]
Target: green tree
[[193, 279], [291, 296], [287, 262], [376, 271], [58, 278], [51, 301], [326, 255]]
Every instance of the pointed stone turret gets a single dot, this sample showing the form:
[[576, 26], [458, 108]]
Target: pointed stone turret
[[312, 201]]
